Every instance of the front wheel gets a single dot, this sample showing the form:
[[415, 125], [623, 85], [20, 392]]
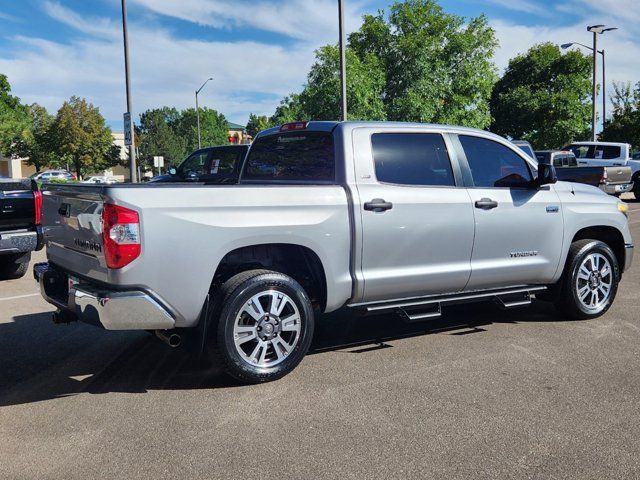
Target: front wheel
[[265, 325], [590, 280]]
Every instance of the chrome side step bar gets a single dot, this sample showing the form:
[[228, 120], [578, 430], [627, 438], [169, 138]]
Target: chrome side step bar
[[507, 298]]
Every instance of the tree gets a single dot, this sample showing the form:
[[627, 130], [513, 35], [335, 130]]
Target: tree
[[544, 97], [214, 128], [14, 118], [36, 146], [158, 138], [365, 83], [418, 63], [289, 110], [79, 135], [438, 66], [624, 125], [257, 123]]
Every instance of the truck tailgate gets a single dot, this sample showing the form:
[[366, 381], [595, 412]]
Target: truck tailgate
[[72, 223], [17, 209], [618, 175]]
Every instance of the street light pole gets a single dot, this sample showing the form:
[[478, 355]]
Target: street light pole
[[596, 30], [604, 77], [133, 177], [198, 110], [343, 61], [594, 95]]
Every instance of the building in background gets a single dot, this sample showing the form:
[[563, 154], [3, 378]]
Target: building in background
[[15, 167], [238, 134]]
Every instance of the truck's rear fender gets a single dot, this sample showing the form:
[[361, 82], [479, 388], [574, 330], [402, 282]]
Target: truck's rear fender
[[299, 262], [189, 233]]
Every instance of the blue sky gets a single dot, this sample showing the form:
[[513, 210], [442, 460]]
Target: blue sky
[[257, 51]]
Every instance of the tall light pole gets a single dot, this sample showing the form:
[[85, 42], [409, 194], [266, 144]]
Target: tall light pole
[[604, 76], [343, 61], [133, 174], [596, 30], [198, 110]]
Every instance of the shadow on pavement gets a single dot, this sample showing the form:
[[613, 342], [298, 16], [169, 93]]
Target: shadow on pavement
[[41, 361]]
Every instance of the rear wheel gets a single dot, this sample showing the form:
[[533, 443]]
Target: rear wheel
[[636, 188], [590, 281], [14, 266], [265, 326]]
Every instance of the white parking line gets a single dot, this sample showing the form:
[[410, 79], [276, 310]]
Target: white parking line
[[19, 296]]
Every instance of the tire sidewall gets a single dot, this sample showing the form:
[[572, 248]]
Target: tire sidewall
[[603, 249], [237, 366]]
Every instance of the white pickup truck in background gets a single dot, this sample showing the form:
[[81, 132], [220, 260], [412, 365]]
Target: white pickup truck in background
[[607, 154]]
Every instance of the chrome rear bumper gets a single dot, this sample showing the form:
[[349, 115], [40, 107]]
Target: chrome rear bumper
[[113, 310]]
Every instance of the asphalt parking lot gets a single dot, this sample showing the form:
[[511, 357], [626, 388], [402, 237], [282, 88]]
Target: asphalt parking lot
[[480, 393]]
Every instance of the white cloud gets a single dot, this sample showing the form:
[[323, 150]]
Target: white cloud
[[302, 19], [520, 6]]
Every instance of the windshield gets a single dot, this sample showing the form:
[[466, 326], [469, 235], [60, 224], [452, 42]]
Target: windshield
[[526, 149]]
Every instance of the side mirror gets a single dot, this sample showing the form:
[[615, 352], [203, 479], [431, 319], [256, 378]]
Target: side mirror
[[173, 171], [546, 175]]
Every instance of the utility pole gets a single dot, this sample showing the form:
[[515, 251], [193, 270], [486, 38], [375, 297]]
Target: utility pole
[[128, 117], [343, 61], [198, 110]]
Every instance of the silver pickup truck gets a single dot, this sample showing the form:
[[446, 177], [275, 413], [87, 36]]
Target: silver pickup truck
[[378, 217]]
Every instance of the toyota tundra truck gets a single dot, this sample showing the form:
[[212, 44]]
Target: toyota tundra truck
[[375, 217]]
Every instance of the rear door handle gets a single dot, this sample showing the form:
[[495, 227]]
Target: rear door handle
[[486, 204], [378, 205]]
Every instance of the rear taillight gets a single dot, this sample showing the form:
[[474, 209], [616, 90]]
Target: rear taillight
[[120, 235], [37, 206], [604, 177]]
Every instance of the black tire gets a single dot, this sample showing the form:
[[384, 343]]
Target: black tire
[[569, 301], [232, 303], [13, 266], [636, 188]]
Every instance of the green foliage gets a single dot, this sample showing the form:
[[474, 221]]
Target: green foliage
[[544, 97], [365, 83], [79, 135], [158, 138], [37, 145], [214, 128], [624, 125], [257, 123], [419, 63], [289, 110], [14, 119]]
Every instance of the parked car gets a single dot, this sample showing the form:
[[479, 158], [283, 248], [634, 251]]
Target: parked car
[[375, 217], [20, 230], [214, 165], [101, 179], [48, 175], [608, 154], [612, 180]]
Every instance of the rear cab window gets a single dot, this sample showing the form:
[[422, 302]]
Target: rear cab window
[[296, 156], [597, 152]]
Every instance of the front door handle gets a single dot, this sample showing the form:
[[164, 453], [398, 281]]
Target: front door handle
[[486, 204], [378, 205]]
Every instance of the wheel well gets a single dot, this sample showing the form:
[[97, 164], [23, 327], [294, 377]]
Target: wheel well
[[300, 263], [609, 235]]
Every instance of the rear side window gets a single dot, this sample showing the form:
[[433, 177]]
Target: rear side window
[[223, 161], [412, 159], [293, 156], [493, 164]]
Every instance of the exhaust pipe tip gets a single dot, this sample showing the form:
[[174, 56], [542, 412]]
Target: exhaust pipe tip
[[170, 338]]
